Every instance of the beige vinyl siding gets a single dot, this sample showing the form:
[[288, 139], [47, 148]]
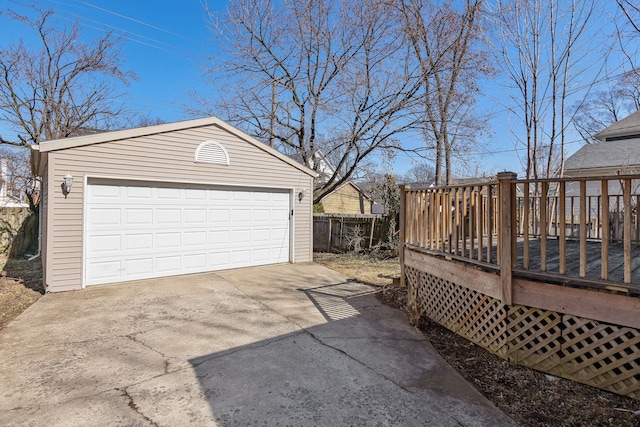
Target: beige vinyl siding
[[164, 157], [345, 200]]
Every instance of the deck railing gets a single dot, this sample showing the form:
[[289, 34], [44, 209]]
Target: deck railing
[[581, 231], [485, 260]]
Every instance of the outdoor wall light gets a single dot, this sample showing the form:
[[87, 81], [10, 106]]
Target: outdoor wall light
[[301, 194], [67, 181]]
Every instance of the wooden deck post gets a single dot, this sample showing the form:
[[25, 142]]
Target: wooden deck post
[[506, 234], [403, 225]]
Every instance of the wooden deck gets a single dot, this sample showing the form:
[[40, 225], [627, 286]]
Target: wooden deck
[[545, 302], [594, 263], [551, 274]]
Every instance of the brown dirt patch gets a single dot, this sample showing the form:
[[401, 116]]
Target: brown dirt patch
[[530, 397], [372, 270], [20, 286]]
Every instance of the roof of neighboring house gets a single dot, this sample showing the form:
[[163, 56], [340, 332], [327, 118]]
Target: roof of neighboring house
[[97, 138], [620, 154], [342, 186], [628, 126]]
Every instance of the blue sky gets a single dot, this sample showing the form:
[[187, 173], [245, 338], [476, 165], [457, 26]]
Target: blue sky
[[166, 41]]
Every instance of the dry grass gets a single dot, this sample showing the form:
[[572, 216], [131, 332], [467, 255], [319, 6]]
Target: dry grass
[[363, 268], [20, 286]]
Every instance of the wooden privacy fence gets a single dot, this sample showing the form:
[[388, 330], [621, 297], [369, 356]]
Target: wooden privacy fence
[[347, 231], [543, 273], [11, 220]]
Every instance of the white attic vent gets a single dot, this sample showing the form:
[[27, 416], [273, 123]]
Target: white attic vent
[[211, 152]]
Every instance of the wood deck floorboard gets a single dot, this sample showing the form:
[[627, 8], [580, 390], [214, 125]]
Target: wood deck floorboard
[[594, 261]]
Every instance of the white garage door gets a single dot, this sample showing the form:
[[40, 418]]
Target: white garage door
[[136, 231]]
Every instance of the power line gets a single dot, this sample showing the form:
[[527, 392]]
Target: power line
[[137, 21]]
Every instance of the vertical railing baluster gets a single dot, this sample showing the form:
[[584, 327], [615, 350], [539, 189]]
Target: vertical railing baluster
[[465, 221], [627, 230], [472, 220], [479, 219], [583, 228], [456, 204], [543, 225], [562, 207], [525, 234], [604, 243], [489, 223]]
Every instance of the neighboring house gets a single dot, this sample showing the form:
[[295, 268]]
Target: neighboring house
[[348, 198], [8, 200], [617, 153], [170, 199]]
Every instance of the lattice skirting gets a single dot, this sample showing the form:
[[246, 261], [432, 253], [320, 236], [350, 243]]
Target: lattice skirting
[[602, 355]]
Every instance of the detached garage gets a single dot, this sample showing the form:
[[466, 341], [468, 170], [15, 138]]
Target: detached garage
[[178, 198]]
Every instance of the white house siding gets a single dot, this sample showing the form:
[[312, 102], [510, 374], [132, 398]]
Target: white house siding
[[160, 157]]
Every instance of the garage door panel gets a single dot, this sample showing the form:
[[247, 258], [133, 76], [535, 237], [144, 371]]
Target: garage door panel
[[169, 194], [168, 264], [136, 216], [195, 216], [105, 244], [104, 271], [241, 216], [104, 216], [220, 260], [220, 217], [138, 193], [139, 266], [241, 258], [218, 238], [261, 216], [241, 195], [195, 194], [168, 241], [137, 242], [279, 234], [240, 236], [168, 216], [195, 239], [195, 261], [261, 235], [104, 193], [144, 231]]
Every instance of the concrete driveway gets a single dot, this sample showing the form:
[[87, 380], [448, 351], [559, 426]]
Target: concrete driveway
[[277, 345]]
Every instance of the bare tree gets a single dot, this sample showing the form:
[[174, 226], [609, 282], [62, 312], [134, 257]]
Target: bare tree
[[604, 107], [316, 76], [631, 10], [445, 42], [421, 173], [61, 86], [540, 47]]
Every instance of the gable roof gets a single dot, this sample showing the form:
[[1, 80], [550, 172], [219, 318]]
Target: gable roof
[[630, 125], [619, 155], [97, 138]]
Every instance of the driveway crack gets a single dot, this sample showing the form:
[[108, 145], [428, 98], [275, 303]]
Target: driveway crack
[[165, 357], [339, 350], [135, 407]]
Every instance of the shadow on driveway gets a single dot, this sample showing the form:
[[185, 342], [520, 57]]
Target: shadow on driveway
[[291, 344]]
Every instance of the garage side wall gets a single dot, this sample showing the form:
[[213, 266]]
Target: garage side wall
[[163, 157]]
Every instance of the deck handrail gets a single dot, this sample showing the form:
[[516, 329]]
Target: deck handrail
[[501, 223]]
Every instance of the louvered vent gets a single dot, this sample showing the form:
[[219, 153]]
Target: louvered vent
[[211, 152]]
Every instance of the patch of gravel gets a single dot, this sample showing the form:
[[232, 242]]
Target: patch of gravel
[[530, 397]]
